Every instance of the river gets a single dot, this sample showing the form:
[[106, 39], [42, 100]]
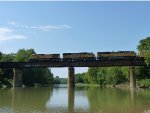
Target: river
[[78, 100]]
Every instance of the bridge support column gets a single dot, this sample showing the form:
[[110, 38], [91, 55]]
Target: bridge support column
[[17, 77], [132, 77], [71, 81]]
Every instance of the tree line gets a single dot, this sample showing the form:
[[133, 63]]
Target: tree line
[[95, 75], [31, 76], [117, 75]]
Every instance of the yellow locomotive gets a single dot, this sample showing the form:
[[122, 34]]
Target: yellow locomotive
[[78, 56], [116, 55], [45, 57], [85, 56]]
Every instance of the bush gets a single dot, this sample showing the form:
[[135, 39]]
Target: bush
[[144, 83]]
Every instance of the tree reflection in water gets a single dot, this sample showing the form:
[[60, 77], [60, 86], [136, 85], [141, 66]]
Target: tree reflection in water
[[30, 99], [111, 100], [78, 100]]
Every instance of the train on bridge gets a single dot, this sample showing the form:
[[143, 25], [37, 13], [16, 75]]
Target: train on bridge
[[85, 56]]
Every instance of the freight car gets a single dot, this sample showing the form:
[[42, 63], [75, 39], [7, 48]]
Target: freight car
[[116, 55], [78, 56], [45, 57]]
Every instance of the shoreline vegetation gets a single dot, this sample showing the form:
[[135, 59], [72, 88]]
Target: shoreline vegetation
[[95, 76], [119, 86]]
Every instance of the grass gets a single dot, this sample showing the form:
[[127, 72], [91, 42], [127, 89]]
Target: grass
[[86, 85]]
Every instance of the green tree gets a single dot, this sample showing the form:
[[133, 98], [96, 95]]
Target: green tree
[[144, 46], [106, 75], [63, 80], [7, 57], [79, 78], [24, 55], [92, 73], [57, 80], [40, 76], [86, 78], [6, 75], [33, 76], [101, 76], [115, 76], [147, 57]]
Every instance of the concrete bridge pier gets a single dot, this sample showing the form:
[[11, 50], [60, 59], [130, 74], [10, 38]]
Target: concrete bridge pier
[[71, 80], [17, 77], [132, 77]]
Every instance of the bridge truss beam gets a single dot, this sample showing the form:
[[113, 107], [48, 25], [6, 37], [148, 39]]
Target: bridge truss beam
[[94, 63]]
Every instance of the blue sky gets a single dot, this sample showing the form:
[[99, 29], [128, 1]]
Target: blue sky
[[59, 27]]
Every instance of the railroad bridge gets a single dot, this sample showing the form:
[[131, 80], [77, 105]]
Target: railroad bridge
[[18, 66]]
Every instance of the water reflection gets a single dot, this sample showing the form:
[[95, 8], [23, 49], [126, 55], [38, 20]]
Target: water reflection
[[68, 100], [110, 100], [77, 100], [25, 99], [31, 100]]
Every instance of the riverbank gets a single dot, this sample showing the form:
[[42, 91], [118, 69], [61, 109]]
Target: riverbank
[[140, 85], [122, 86], [86, 85], [119, 86]]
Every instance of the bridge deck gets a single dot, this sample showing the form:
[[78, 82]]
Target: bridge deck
[[94, 63]]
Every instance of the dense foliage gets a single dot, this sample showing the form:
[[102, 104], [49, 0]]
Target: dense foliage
[[116, 75], [103, 76], [144, 47], [31, 77], [144, 72], [79, 78], [58, 80]]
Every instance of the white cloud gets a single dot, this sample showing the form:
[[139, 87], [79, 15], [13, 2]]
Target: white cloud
[[42, 27], [8, 34], [15, 24], [19, 37], [3, 30]]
